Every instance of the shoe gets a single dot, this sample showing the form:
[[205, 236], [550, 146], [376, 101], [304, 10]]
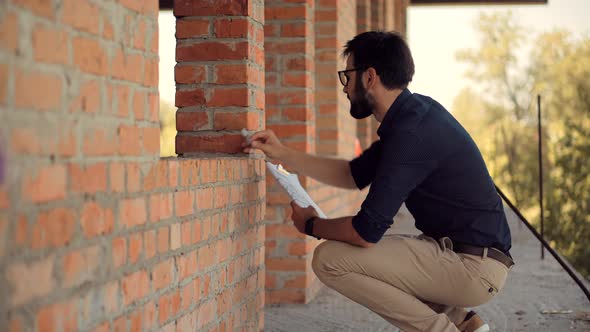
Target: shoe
[[473, 323]]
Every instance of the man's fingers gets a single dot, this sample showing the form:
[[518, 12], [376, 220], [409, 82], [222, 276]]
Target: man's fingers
[[261, 135]]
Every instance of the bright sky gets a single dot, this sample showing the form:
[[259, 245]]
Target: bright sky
[[435, 33]]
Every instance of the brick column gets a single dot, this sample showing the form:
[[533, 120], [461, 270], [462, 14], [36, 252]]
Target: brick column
[[289, 53], [336, 129], [219, 75], [365, 23]]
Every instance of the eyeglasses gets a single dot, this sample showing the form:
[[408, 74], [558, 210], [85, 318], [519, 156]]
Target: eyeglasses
[[344, 78]]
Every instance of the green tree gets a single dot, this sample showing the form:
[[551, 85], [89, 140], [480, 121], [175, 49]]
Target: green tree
[[503, 121]]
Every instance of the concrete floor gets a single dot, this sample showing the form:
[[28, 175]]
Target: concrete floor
[[534, 285]]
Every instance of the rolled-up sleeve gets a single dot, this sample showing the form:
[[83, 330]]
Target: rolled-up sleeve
[[405, 162]]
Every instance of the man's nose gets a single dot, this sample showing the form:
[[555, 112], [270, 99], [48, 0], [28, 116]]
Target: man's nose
[[345, 89]]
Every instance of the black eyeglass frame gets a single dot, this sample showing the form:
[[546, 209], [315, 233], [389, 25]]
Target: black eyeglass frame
[[342, 74]]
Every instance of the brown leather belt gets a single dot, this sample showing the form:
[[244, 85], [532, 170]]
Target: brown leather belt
[[479, 251]]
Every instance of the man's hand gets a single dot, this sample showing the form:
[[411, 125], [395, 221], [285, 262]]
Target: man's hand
[[300, 215], [268, 142]]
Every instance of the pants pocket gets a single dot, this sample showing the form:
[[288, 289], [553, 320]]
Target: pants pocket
[[489, 287]]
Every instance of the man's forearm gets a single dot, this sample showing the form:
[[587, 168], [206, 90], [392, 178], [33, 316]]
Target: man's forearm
[[335, 172], [339, 229]]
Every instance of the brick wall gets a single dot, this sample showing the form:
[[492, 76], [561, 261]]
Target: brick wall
[[96, 232]]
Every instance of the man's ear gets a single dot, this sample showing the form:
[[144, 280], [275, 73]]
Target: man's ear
[[371, 77]]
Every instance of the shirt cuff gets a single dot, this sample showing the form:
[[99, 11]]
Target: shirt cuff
[[369, 228]]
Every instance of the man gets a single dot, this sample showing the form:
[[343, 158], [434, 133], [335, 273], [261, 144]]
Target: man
[[425, 158]]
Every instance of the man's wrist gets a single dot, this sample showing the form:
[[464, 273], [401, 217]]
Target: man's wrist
[[309, 223]]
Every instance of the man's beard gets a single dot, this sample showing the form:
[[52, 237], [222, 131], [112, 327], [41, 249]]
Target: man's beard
[[362, 107]]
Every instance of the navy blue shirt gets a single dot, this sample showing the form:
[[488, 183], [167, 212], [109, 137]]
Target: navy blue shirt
[[425, 158]]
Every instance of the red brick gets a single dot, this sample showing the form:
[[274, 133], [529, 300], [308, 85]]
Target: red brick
[[133, 177], [38, 91], [186, 234], [189, 74], [139, 99], [162, 274], [192, 121], [104, 327], [127, 67], [89, 56], [50, 45], [302, 80], [149, 240], [285, 13], [235, 121], [132, 212], [108, 32], [191, 97], [149, 315], [21, 236], [204, 198], [212, 51], [219, 143], [81, 265], [16, 324], [211, 8], [9, 32], [81, 14], [123, 98], [89, 178], [285, 296], [175, 241], [58, 317], [229, 97], [288, 130], [232, 27], [25, 141], [38, 7], [4, 81], [88, 100], [99, 142], [298, 29], [119, 251], [135, 247], [163, 240], [187, 295], [117, 177], [151, 72], [191, 28], [135, 286], [139, 36], [54, 228], [31, 280], [129, 142], [151, 140], [184, 202], [297, 113], [96, 220], [231, 73], [154, 107], [120, 324], [285, 264]]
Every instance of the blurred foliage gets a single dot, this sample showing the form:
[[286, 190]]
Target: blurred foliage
[[512, 66], [167, 129]]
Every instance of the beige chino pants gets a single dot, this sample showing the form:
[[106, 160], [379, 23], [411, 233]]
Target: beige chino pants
[[414, 282]]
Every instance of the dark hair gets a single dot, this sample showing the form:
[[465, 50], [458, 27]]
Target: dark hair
[[387, 52]]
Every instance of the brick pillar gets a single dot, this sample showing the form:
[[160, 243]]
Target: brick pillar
[[336, 129], [219, 75], [400, 11], [289, 53], [365, 23]]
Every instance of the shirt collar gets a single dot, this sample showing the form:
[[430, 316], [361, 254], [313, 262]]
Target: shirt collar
[[395, 108]]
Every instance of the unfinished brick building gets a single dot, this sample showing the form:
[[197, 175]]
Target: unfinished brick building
[[97, 233]]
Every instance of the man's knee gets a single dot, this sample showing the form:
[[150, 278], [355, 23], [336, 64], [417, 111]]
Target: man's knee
[[323, 257]]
